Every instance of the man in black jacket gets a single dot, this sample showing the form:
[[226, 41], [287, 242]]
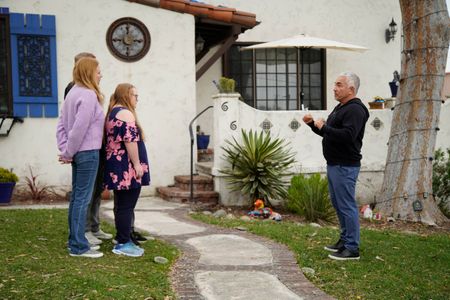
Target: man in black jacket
[[342, 134]]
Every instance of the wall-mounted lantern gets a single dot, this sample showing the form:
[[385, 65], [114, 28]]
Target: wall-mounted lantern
[[391, 31]]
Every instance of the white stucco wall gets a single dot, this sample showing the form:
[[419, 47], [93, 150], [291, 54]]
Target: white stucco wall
[[205, 89], [165, 80], [231, 115], [360, 22]]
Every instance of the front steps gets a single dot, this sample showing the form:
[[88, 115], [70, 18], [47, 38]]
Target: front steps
[[203, 194]]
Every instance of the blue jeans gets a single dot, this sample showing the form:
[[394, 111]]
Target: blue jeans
[[341, 184], [84, 171], [93, 212]]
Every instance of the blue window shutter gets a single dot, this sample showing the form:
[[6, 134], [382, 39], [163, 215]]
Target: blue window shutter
[[33, 64]]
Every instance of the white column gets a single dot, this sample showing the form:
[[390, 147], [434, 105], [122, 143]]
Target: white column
[[226, 126]]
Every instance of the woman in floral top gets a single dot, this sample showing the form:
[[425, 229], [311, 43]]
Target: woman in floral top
[[126, 163]]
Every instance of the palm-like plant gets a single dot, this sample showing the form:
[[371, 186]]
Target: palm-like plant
[[258, 167]]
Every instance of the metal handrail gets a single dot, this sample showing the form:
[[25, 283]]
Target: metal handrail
[[14, 121], [191, 133]]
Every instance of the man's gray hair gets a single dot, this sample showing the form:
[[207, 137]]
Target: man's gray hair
[[352, 79]]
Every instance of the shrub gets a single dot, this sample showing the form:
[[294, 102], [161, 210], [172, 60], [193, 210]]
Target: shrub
[[441, 180], [258, 167], [7, 176], [308, 197], [36, 191]]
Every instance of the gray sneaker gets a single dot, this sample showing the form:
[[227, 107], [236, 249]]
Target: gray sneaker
[[92, 239], [94, 247], [90, 253], [100, 234]]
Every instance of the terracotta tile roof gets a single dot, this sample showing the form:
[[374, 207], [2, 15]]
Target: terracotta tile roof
[[203, 10]]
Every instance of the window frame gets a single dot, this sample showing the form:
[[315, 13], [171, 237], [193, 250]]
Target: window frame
[[9, 100], [226, 69]]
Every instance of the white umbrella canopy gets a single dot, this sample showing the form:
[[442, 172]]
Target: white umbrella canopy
[[306, 41]]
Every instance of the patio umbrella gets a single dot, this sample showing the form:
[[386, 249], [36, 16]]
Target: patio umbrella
[[305, 41]]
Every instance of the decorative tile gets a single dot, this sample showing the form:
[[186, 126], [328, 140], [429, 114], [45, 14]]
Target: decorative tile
[[376, 123], [266, 125], [294, 125], [34, 65]]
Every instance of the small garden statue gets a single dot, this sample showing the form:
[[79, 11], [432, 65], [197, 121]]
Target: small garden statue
[[262, 212]]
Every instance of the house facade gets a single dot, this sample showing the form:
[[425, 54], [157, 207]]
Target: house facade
[[164, 78], [361, 23], [190, 45]]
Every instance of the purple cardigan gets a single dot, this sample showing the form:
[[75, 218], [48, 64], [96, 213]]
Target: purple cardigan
[[81, 123]]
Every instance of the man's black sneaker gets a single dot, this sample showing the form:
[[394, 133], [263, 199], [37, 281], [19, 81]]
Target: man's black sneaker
[[345, 255], [339, 246], [138, 237], [135, 241]]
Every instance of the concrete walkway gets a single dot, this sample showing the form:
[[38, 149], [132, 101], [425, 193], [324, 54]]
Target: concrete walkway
[[218, 263]]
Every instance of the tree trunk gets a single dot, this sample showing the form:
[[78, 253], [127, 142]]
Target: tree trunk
[[406, 192]]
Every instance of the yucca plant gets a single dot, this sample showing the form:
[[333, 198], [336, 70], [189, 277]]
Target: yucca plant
[[258, 166], [308, 197]]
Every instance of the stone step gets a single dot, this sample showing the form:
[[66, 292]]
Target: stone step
[[205, 155], [175, 194], [204, 168], [201, 183]]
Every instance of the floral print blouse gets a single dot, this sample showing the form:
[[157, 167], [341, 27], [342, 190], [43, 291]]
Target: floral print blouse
[[119, 171]]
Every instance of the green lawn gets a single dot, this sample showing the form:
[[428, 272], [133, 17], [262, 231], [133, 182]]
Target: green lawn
[[35, 264], [393, 265]]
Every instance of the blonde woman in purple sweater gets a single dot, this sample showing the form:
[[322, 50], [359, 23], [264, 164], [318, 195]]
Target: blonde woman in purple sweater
[[79, 136]]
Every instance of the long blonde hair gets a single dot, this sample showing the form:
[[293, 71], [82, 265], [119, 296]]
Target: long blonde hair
[[121, 97], [84, 74]]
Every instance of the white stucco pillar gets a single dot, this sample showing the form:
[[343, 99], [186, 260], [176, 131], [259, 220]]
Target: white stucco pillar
[[226, 126]]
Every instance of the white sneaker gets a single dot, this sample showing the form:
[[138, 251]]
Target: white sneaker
[[92, 239], [94, 247], [100, 234], [90, 253]]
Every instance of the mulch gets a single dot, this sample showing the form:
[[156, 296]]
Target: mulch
[[397, 225]]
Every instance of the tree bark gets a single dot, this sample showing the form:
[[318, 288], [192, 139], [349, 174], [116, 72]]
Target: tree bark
[[406, 191]]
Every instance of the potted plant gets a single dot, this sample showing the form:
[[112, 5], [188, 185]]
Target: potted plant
[[7, 182], [394, 84], [377, 103], [227, 85], [202, 140]]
